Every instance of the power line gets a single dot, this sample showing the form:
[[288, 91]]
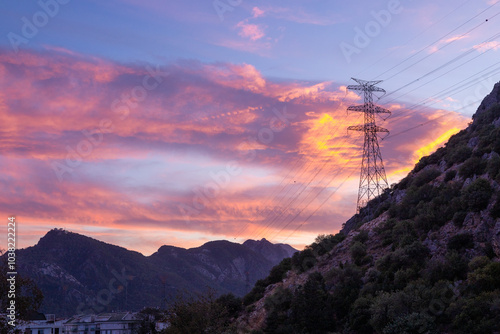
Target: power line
[[298, 193], [444, 65], [412, 39], [319, 207], [302, 169], [453, 69], [436, 41], [316, 196], [450, 91]]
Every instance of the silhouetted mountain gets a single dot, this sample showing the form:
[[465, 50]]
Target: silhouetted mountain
[[272, 252], [424, 257], [78, 274]]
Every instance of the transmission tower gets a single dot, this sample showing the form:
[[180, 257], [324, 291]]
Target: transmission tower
[[372, 180]]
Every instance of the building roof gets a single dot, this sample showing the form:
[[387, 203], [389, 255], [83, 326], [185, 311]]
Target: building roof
[[105, 317]]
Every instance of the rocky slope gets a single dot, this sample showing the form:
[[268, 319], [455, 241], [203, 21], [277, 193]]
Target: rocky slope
[[78, 274], [426, 260]]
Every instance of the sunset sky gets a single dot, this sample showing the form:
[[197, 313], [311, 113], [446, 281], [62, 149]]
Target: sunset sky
[[144, 123]]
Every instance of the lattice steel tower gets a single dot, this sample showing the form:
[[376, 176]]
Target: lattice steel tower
[[372, 180]]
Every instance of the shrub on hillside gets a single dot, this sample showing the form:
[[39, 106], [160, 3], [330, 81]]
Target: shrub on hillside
[[475, 314], [495, 210], [459, 218], [485, 278], [203, 314], [362, 236], [412, 256], [404, 183], [278, 317], [279, 271], [276, 275], [432, 159], [458, 155], [325, 243], [425, 176], [358, 252], [479, 262], [411, 323], [477, 195], [456, 266], [359, 316], [345, 285], [450, 175], [304, 260], [403, 233], [496, 145], [493, 166], [472, 166], [389, 307], [312, 307], [461, 241]]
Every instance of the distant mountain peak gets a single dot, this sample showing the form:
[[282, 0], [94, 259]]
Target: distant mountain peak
[[71, 269], [269, 250]]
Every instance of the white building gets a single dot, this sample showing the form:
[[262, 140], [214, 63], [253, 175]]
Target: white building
[[105, 323], [42, 324]]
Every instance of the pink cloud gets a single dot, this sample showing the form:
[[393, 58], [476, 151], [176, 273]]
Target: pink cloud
[[440, 44], [483, 47], [257, 12], [192, 124], [298, 15], [252, 31]]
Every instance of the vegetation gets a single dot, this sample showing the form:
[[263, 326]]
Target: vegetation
[[203, 313], [276, 275], [406, 290], [28, 296], [398, 283]]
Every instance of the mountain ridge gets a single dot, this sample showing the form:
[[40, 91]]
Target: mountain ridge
[[79, 274]]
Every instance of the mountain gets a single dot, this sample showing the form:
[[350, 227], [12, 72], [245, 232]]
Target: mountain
[[424, 257], [272, 252], [78, 274]]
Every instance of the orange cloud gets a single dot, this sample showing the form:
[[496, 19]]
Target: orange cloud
[[170, 146]]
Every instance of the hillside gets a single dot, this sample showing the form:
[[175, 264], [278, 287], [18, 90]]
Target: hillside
[[426, 260], [78, 274]]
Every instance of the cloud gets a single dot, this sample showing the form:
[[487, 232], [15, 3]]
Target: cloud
[[443, 42], [297, 15], [251, 31], [168, 148], [257, 12], [486, 46]]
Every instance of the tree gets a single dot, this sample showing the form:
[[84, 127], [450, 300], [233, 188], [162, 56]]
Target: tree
[[358, 252], [202, 313], [312, 306], [28, 297], [477, 195]]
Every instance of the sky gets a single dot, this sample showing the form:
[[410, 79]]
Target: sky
[[149, 123]]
